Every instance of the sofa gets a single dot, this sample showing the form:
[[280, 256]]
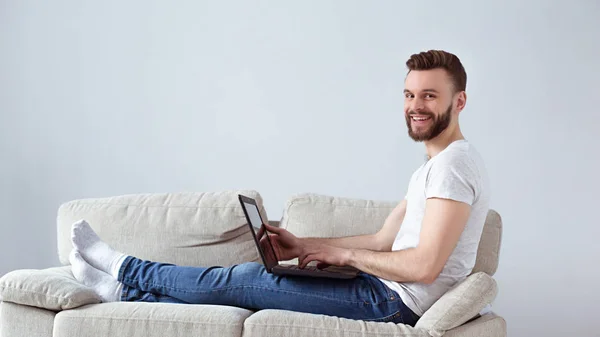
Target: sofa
[[201, 229]]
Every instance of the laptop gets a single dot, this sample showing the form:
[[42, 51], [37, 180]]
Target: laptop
[[267, 252]]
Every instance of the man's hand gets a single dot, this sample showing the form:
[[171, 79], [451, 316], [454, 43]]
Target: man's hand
[[286, 245], [325, 254]]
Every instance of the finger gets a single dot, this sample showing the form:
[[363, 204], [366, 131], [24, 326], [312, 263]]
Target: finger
[[322, 265], [309, 259], [301, 260], [306, 259], [304, 262], [260, 232], [273, 229]]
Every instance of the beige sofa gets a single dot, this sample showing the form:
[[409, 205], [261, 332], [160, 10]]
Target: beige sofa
[[209, 229]]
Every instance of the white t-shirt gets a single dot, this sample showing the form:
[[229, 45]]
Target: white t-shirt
[[456, 173]]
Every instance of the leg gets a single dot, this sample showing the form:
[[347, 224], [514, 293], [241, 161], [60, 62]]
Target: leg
[[250, 286], [247, 285], [105, 286], [131, 294], [95, 251], [100, 254]]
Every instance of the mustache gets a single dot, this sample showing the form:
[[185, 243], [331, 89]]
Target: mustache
[[422, 113]]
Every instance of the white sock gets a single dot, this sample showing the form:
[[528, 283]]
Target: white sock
[[107, 288], [95, 251]]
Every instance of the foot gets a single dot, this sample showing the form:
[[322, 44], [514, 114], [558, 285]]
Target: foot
[[95, 251], [105, 286]]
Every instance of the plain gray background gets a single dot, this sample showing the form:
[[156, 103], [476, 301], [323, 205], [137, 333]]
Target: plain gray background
[[101, 98]]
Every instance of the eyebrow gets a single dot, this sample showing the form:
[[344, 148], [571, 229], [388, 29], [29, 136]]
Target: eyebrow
[[425, 90]]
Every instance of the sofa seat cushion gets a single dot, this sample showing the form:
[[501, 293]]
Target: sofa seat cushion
[[150, 320], [19, 321], [276, 323], [52, 289], [488, 325]]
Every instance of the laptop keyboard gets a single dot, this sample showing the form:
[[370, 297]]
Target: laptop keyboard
[[296, 267]]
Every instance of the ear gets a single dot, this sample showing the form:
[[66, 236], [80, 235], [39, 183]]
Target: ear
[[461, 101]]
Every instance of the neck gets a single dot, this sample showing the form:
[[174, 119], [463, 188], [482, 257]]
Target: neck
[[439, 143]]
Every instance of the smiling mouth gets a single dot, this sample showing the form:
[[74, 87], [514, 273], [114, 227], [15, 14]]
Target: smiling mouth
[[420, 118]]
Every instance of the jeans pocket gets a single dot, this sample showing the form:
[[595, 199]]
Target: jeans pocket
[[392, 295], [395, 318], [402, 316]]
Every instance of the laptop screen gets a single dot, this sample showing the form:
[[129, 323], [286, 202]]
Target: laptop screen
[[259, 229]]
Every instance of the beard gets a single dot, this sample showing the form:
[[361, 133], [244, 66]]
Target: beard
[[439, 124]]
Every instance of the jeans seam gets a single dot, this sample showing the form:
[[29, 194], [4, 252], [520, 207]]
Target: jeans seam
[[389, 318], [125, 293], [147, 284], [120, 274]]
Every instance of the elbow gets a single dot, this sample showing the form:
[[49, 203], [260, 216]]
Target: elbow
[[428, 267], [384, 247], [428, 278], [428, 274], [381, 245]]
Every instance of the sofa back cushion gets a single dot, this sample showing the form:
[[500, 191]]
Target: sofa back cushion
[[314, 215], [488, 253], [189, 229]]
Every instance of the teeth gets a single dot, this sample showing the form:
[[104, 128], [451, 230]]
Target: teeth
[[420, 118]]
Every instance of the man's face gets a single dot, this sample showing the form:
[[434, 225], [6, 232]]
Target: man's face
[[427, 103]]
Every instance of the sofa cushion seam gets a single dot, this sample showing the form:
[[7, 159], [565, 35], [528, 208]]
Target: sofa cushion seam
[[475, 324], [269, 325], [37, 293], [72, 315]]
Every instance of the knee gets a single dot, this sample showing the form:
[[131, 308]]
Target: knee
[[249, 269]]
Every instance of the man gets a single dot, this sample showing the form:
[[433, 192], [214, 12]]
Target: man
[[427, 244]]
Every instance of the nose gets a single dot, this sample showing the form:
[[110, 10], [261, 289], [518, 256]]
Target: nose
[[417, 104]]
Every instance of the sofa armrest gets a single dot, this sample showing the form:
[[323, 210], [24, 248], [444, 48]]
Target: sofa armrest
[[52, 289], [488, 325], [461, 303]]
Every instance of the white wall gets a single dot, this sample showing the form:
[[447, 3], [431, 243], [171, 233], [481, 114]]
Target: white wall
[[107, 98]]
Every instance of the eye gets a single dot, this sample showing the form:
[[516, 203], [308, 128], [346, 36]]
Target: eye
[[429, 96], [408, 95]]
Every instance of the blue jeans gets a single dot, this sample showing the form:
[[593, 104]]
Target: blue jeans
[[250, 286]]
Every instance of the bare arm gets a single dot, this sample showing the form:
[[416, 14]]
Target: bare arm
[[443, 224], [380, 241]]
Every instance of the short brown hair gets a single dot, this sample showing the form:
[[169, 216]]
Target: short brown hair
[[433, 59]]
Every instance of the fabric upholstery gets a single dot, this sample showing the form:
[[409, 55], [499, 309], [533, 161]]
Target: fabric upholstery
[[22, 321], [277, 323], [324, 216], [459, 304], [210, 229], [488, 252], [314, 215], [188, 229], [150, 320], [52, 289], [489, 325]]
